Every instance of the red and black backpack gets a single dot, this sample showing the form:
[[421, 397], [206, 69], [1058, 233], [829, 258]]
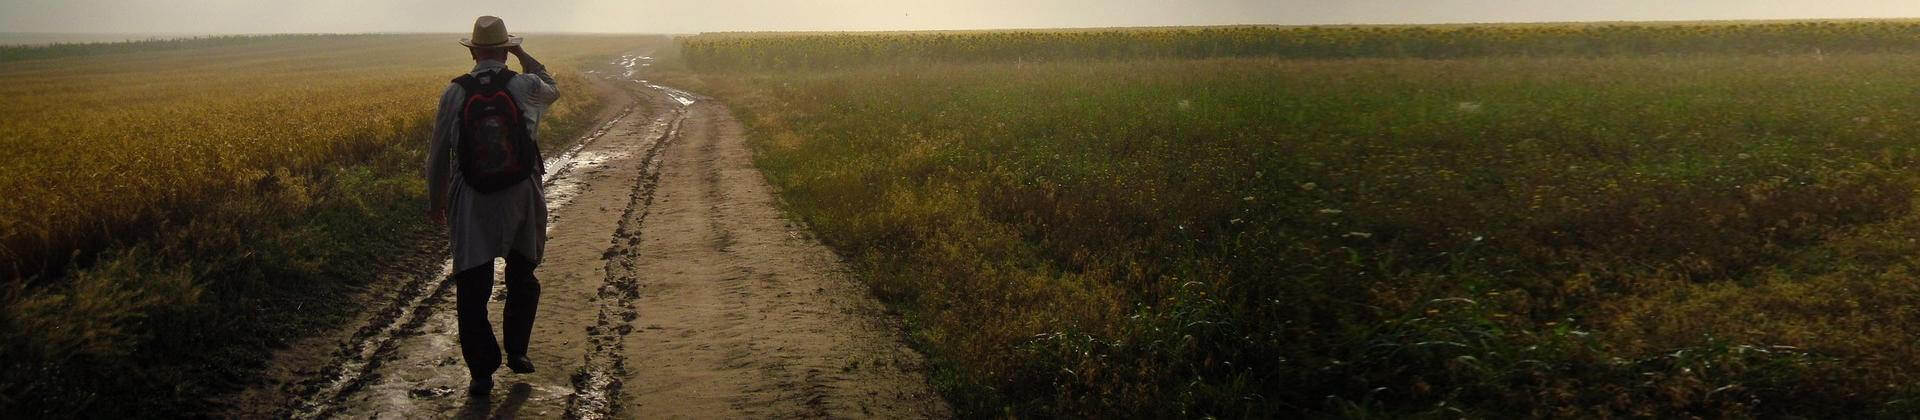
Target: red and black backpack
[[495, 150]]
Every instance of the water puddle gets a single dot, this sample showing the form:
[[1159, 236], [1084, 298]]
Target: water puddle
[[561, 190], [681, 96], [628, 62]]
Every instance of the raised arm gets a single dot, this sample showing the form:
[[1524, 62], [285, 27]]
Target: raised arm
[[545, 92]]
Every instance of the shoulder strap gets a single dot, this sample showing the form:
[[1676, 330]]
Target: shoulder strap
[[497, 80], [502, 77], [468, 82]]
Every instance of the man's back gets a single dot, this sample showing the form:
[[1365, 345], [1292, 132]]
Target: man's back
[[507, 219], [534, 90]]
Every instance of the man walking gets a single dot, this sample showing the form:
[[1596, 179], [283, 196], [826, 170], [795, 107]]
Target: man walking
[[488, 193]]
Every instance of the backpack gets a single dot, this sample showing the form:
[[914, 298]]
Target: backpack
[[494, 151]]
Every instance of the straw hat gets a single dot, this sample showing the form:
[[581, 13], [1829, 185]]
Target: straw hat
[[490, 32]]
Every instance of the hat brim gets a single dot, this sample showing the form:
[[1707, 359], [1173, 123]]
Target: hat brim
[[512, 41]]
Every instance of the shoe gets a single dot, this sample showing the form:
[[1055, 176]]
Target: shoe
[[520, 364], [480, 387]]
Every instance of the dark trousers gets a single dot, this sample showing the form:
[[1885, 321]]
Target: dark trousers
[[474, 287]]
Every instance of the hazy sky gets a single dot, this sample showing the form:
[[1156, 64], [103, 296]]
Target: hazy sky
[[680, 16]]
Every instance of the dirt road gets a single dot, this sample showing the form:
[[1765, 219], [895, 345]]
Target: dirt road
[[673, 287]]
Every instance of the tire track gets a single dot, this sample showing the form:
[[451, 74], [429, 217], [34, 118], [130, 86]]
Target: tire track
[[598, 381]]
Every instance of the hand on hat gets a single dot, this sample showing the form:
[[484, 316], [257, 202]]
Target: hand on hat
[[527, 63]]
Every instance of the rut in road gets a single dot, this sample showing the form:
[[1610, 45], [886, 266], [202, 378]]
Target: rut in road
[[672, 287], [596, 384]]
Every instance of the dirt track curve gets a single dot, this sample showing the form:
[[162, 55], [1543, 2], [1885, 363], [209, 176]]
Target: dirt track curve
[[673, 287]]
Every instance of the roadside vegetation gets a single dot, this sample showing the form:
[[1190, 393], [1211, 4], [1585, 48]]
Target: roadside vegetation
[[1505, 221], [177, 209], [825, 50]]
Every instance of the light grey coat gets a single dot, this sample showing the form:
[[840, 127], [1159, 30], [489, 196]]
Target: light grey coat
[[488, 226]]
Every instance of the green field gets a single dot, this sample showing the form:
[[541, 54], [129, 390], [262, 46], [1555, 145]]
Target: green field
[[177, 209], [1505, 221], [1583, 220]]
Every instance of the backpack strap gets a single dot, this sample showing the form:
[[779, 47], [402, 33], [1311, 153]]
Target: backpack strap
[[467, 81], [502, 77], [498, 79]]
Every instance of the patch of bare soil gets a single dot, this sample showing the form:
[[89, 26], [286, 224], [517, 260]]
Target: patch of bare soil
[[742, 313]]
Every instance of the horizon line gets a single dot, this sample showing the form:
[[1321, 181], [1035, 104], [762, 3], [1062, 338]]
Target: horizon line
[[1020, 28]]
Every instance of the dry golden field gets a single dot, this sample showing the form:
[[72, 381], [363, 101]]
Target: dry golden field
[[168, 201]]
